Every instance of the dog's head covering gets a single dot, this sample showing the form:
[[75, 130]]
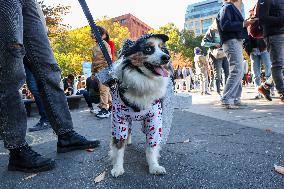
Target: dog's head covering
[[197, 50], [129, 46]]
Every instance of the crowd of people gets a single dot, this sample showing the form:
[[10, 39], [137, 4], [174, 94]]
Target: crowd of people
[[29, 59], [224, 65]]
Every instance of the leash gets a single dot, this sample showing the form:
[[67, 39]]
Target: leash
[[95, 31]]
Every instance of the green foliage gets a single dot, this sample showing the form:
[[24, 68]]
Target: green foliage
[[54, 17], [73, 47], [181, 43]]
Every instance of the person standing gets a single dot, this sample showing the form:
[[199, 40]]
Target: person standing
[[99, 63], [271, 17], [232, 30], [201, 68], [216, 54], [22, 33], [257, 50]]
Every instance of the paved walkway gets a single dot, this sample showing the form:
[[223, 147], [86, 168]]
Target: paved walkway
[[209, 147]]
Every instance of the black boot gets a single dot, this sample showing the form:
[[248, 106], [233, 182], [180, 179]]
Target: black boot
[[73, 141], [26, 160]]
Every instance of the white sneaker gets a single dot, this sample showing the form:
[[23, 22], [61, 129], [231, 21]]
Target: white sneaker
[[95, 111]]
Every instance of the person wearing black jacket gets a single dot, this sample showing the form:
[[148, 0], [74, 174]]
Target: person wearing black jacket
[[257, 50], [271, 17], [232, 30], [92, 93]]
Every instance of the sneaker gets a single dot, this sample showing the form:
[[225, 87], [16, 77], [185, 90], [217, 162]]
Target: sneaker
[[281, 102], [73, 141], [257, 97], [103, 113], [95, 111], [230, 106], [207, 93], [110, 109], [41, 125], [265, 92], [26, 160]]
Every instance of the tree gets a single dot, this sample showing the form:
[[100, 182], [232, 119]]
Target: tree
[[73, 47], [54, 17], [180, 44]]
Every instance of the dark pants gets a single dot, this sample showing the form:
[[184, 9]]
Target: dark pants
[[91, 99], [32, 85], [22, 33]]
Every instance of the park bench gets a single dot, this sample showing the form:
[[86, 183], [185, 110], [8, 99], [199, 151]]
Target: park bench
[[73, 103]]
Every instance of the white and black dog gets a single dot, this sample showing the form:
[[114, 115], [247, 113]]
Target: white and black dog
[[143, 73]]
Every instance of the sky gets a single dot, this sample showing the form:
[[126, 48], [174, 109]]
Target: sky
[[155, 13]]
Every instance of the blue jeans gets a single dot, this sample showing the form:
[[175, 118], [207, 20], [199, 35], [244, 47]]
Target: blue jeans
[[257, 61], [32, 85], [233, 89], [276, 49], [218, 65], [22, 33]]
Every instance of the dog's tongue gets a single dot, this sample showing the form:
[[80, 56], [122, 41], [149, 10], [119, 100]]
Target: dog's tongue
[[161, 71]]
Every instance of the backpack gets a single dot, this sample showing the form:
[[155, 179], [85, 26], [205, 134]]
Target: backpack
[[256, 30]]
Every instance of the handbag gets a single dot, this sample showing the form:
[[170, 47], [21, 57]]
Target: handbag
[[255, 30], [218, 53]]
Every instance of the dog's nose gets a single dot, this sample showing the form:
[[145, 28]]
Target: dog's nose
[[165, 59]]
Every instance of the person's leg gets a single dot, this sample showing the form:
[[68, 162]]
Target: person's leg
[[13, 121], [276, 47], [31, 82], [234, 53], [256, 69], [217, 74], [265, 58], [104, 100], [87, 99], [43, 123], [44, 68], [225, 66], [47, 74]]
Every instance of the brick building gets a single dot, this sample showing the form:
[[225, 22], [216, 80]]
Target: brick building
[[135, 26]]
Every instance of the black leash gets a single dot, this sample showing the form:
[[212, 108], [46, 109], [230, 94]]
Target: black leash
[[95, 31]]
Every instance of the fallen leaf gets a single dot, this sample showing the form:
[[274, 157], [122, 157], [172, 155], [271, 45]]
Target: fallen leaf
[[279, 169], [268, 130], [30, 176], [90, 150], [186, 141], [100, 177]]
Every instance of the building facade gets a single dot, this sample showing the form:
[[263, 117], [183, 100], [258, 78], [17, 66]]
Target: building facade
[[135, 26], [199, 16]]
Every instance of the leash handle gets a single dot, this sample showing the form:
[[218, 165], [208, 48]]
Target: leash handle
[[95, 31]]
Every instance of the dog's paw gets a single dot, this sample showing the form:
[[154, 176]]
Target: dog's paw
[[157, 170], [116, 172]]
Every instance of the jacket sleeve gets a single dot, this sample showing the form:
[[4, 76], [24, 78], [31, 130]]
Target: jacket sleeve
[[226, 22], [265, 18], [208, 40], [98, 59]]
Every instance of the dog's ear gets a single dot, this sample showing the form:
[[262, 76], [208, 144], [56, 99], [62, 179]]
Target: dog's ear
[[163, 37], [126, 47]]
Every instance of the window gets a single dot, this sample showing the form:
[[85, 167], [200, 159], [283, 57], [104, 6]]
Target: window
[[206, 24], [122, 21]]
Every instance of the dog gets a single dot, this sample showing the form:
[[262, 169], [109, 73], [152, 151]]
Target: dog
[[143, 74]]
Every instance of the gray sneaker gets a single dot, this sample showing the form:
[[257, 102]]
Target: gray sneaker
[[41, 125]]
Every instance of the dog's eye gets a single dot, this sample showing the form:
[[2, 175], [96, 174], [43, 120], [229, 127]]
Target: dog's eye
[[165, 50], [148, 50]]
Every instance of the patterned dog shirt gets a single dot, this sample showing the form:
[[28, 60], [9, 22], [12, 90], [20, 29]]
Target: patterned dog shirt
[[122, 117]]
